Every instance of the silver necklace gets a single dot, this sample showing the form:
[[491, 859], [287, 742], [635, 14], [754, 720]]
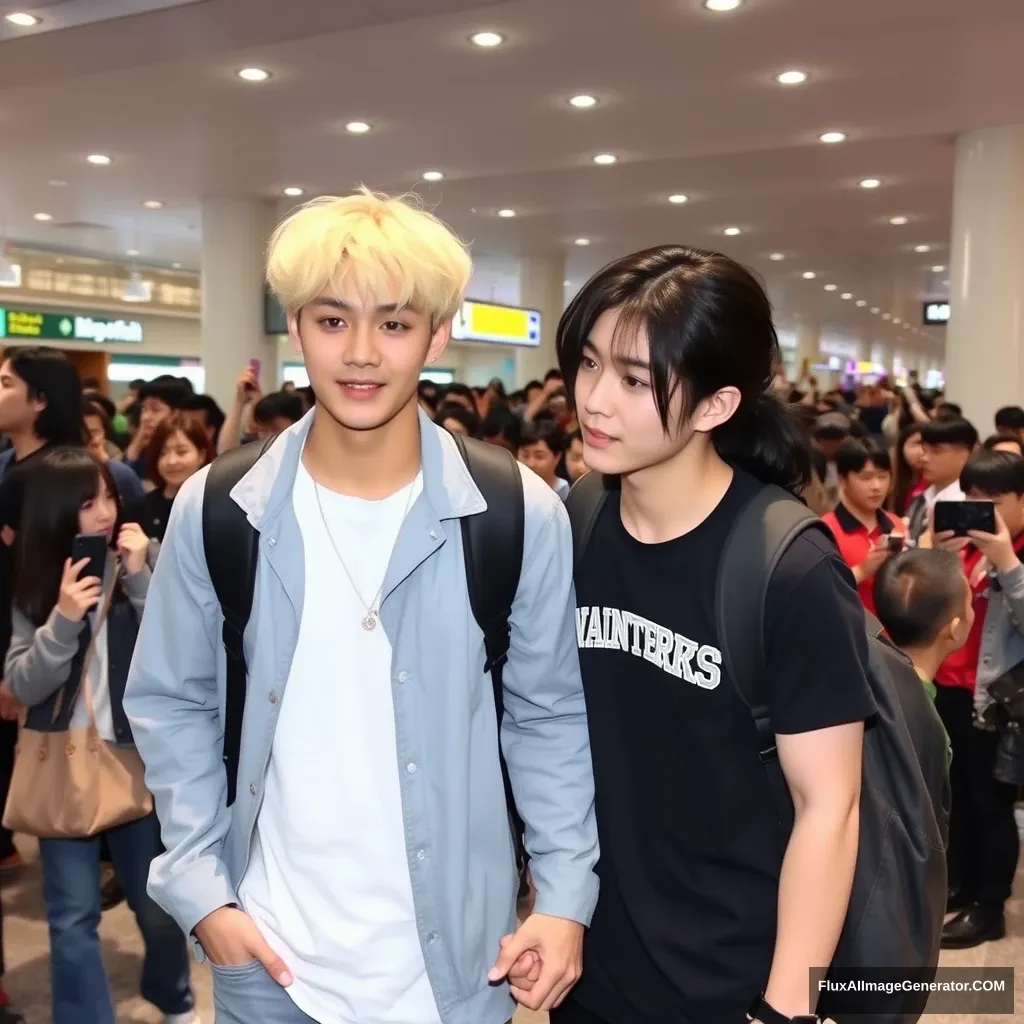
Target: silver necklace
[[369, 620]]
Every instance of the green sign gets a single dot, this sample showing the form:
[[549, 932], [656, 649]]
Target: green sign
[[32, 325]]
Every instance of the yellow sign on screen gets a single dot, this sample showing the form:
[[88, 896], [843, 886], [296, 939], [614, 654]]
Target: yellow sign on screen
[[498, 321]]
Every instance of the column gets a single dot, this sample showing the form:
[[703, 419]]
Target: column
[[808, 340], [235, 233], [985, 336], [541, 288]]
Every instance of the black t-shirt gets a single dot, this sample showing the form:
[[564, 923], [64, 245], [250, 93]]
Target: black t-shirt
[[154, 512], [691, 849]]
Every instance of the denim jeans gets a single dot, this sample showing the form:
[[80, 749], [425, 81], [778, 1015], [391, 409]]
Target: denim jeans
[[71, 890], [248, 995]]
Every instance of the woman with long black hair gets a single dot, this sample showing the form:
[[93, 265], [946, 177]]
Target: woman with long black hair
[[71, 635], [705, 911]]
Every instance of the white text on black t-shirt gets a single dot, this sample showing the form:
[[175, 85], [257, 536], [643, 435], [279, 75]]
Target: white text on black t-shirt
[[614, 630]]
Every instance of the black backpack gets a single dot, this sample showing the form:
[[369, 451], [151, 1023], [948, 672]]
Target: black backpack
[[898, 900], [492, 542]]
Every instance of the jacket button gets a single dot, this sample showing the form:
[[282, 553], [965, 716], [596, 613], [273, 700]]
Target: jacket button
[[252, 788], [272, 542], [273, 697], [433, 534], [403, 677], [411, 767]]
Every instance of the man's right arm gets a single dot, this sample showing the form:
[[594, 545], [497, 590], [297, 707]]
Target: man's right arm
[[171, 701]]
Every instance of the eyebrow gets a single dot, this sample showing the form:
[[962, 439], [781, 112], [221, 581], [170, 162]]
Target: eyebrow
[[632, 362], [347, 307]]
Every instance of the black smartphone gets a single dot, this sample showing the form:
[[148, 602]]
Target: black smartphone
[[895, 543], [961, 517], [94, 547]]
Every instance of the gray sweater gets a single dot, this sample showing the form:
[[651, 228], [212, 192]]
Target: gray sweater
[[1002, 636]]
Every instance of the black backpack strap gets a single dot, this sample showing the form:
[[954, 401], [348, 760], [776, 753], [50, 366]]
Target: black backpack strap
[[492, 543], [762, 533], [231, 545], [584, 504]]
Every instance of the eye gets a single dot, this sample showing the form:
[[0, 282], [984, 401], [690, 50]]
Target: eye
[[588, 364], [394, 326], [634, 383], [332, 323]]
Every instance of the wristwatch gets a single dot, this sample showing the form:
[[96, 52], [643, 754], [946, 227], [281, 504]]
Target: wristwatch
[[761, 1010]]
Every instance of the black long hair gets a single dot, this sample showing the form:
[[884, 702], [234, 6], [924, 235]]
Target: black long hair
[[56, 489], [50, 375], [708, 323]]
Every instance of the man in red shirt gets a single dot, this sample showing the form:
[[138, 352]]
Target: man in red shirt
[[866, 534]]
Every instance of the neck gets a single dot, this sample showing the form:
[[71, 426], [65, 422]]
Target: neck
[[941, 485], [370, 464], [25, 443], [651, 508], [866, 517], [927, 660], [171, 491]]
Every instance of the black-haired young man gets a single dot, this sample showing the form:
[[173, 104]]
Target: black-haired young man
[[159, 399], [948, 444]]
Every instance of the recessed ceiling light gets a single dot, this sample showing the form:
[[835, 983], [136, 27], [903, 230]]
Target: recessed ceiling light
[[132, 252], [731, 232], [809, 275], [432, 175], [98, 159], [43, 216], [830, 287], [831, 138], [584, 101], [875, 310], [57, 183], [777, 257], [357, 127], [922, 248], [582, 241], [897, 222], [938, 268], [175, 266], [153, 204], [722, 5], [605, 158], [23, 20], [487, 40], [254, 74], [846, 296], [506, 213], [678, 198], [869, 183], [862, 303], [887, 316], [791, 78], [565, 284], [293, 190]]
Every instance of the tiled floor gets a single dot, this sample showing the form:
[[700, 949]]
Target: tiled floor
[[27, 977]]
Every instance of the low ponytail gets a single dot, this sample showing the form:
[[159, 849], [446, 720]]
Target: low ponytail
[[770, 441]]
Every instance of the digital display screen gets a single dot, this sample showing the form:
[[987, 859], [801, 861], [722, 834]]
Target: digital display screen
[[34, 325], [492, 322], [936, 313]]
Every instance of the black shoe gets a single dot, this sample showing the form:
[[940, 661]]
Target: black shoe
[[8, 1016], [956, 901], [973, 926], [111, 894]]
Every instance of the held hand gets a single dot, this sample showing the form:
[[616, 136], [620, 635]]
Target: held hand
[[525, 972], [949, 541], [10, 706], [77, 597], [230, 938], [132, 546], [874, 561], [248, 388], [558, 944], [996, 547]]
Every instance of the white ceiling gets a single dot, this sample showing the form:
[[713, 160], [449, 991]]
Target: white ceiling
[[688, 102]]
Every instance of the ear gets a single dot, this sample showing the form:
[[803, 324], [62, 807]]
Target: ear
[[954, 629], [38, 403], [293, 330], [715, 410], [439, 341]]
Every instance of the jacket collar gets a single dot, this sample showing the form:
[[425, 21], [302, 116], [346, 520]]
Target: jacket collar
[[849, 523], [448, 487]]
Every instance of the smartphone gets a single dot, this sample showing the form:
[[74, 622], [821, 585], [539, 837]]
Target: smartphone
[[895, 543], [961, 517], [94, 547], [254, 368]]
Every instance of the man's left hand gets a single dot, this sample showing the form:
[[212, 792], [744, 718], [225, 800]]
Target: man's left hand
[[996, 547], [557, 944]]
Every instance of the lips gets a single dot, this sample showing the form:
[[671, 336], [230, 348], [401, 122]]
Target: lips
[[360, 390]]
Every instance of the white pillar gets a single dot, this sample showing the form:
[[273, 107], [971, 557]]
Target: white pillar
[[808, 340], [235, 233], [985, 336], [541, 287]]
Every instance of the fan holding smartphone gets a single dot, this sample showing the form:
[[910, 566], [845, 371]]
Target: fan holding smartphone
[[79, 591]]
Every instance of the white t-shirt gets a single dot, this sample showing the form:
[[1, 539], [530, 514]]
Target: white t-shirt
[[951, 493], [329, 841]]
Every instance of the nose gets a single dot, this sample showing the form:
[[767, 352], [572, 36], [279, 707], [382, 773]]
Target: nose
[[361, 346], [596, 397]]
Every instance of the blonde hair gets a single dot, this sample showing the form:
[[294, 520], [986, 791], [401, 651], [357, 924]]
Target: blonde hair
[[378, 243]]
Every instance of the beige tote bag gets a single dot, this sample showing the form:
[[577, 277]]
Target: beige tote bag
[[74, 784]]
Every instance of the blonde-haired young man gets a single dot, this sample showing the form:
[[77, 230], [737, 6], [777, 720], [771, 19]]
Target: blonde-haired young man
[[365, 871]]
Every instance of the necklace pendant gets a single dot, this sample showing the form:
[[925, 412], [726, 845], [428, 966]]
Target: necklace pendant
[[370, 622]]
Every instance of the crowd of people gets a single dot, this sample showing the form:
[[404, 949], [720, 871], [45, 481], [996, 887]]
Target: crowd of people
[[342, 851]]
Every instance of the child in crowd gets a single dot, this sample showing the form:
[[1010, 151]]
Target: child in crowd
[[924, 603], [541, 448]]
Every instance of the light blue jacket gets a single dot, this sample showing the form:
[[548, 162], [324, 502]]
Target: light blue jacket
[[453, 802]]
